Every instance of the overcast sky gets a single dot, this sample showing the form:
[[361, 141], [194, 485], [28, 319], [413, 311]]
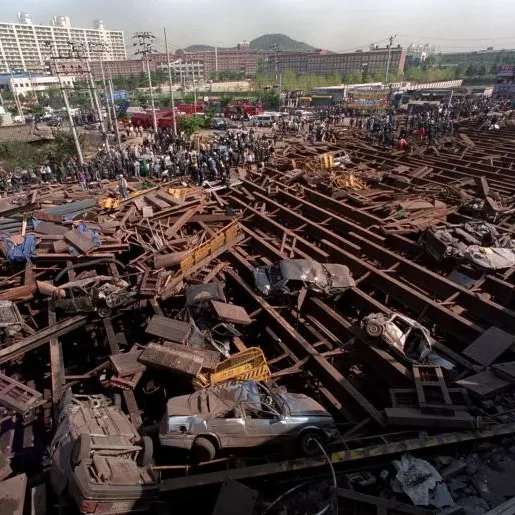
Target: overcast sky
[[452, 25]]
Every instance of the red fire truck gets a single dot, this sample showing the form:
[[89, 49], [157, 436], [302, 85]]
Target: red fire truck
[[242, 111]]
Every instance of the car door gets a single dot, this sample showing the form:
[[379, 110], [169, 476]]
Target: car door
[[266, 425], [230, 430]]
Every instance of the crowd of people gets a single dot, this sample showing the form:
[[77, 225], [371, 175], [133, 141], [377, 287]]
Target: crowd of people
[[159, 156], [163, 155]]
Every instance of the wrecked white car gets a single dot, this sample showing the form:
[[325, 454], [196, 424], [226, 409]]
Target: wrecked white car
[[242, 415], [289, 276], [406, 337], [476, 242]]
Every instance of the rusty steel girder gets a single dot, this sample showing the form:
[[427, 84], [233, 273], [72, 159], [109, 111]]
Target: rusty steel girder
[[328, 375]]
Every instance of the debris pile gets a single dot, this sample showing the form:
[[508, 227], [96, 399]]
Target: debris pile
[[345, 299]]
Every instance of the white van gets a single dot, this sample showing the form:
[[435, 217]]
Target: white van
[[262, 120]]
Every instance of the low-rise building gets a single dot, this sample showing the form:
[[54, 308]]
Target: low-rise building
[[326, 63], [122, 68], [185, 71], [24, 84]]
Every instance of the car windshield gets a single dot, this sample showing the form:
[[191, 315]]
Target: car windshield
[[275, 273]]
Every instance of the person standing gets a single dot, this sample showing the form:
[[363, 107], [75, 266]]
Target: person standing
[[81, 177], [123, 187]]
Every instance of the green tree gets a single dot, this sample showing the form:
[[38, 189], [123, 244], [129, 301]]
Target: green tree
[[353, 78], [271, 100], [472, 70], [190, 124], [225, 100]]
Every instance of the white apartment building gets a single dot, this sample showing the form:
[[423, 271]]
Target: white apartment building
[[25, 46]]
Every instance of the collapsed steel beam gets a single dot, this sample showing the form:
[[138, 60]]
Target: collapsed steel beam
[[481, 308], [329, 376], [339, 458], [39, 338], [380, 361], [461, 328]]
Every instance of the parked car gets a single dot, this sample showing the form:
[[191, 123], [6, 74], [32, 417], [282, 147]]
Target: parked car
[[54, 122], [405, 337], [242, 415], [219, 123], [289, 276], [99, 460]]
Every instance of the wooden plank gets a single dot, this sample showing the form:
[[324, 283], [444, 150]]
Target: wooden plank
[[485, 384], [169, 198], [140, 203], [12, 495], [214, 272], [176, 227], [489, 346], [79, 241], [157, 202], [231, 313], [127, 364], [128, 396], [50, 228], [168, 329], [56, 359]]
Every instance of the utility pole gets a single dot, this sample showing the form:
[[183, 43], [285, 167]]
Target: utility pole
[[115, 116], [171, 82], [78, 51], [391, 38], [109, 102], [66, 104], [144, 42]]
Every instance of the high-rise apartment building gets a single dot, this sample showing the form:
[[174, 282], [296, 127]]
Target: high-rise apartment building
[[25, 46]]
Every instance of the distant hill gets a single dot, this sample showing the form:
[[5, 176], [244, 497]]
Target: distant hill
[[199, 48], [281, 42], [265, 42]]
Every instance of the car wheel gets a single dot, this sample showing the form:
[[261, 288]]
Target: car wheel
[[374, 329], [308, 442], [204, 449], [145, 458], [81, 449]]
